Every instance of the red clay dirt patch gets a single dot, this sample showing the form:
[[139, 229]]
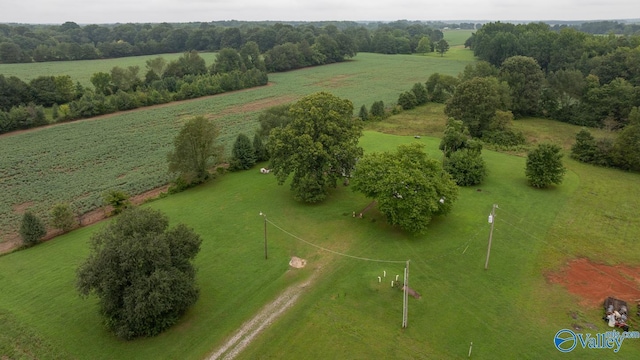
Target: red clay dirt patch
[[595, 282]]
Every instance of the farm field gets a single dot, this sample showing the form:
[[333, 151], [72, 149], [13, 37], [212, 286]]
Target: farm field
[[76, 162], [507, 311], [81, 71]]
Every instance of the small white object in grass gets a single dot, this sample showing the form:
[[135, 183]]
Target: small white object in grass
[[391, 283], [379, 279], [397, 277]]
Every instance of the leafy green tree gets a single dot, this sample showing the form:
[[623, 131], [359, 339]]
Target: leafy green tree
[[420, 92], [364, 113], [251, 58], [243, 154], [525, 80], [102, 83], [62, 217], [466, 167], [476, 101], [142, 272], [227, 60], [32, 229], [156, 67], [456, 136], [501, 132], [440, 87], [407, 100], [377, 110], [274, 117], [194, 149], [626, 146], [410, 187], [117, 199], [585, 147], [478, 69], [424, 45], [544, 166], [319, 146], [259, 149], [125, 79], [442, 47]]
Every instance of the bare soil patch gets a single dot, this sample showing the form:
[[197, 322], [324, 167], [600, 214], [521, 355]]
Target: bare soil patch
[[593, 282]]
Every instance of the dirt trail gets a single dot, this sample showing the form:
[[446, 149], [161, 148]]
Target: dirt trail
[[265, 317]]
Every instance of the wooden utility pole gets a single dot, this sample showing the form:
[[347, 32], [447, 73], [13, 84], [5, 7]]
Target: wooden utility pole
[[265, 234], [405, 298], [492, 220]]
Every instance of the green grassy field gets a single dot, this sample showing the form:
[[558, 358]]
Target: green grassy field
[[82, 159], [457, 37], [82, 70], [508, 311]]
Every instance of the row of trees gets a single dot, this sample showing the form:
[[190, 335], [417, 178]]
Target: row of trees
[[70, 41], [622, 151], [21, 104]]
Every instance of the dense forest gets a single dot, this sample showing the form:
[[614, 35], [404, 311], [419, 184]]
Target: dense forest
[[584, 79]]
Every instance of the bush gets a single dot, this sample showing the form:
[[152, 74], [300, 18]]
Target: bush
[[544, 166], [364, 113], [243, 154], [407, 100], [32, 229], [377, 110], [507, 137], [62, 217], [466, 167], [117, 199]]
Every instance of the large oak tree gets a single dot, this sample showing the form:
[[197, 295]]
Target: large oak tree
[[410, 187], [317, 147], [142, 272]]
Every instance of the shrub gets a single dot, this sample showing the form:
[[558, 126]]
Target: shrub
[[407, 100], [32, 229], [466, 167], [544, 166], [62, 217], [377, 110], [117, 199]]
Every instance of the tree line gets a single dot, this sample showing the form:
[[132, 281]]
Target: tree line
[[39, 43], [22, 105]]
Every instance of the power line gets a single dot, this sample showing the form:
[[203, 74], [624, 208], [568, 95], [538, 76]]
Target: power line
[[333, 251]]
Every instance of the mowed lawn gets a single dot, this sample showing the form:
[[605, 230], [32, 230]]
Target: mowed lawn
[[507, 311]]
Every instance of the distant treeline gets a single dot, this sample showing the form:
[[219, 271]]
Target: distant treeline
[[589, 80], [70, 41]]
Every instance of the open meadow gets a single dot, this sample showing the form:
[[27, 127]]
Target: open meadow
[[511, 310]]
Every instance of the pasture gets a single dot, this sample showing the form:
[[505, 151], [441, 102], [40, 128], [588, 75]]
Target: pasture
[[507, 311]]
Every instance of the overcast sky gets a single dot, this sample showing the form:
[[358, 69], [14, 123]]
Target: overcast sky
[[154, 11]]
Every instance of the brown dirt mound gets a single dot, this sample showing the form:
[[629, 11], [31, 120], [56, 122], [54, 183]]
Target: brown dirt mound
[[595, 282]]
